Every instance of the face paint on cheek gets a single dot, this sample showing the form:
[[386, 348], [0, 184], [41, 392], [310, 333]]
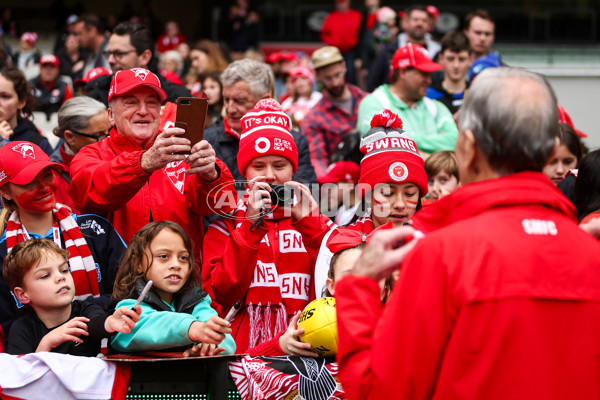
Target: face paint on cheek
[[39, 199], [381, 209], [411, 205]]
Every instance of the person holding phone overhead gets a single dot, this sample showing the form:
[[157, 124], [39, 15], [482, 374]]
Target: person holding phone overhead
[[137, 175], [191, 116]]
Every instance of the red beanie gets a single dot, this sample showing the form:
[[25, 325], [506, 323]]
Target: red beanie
[[390, 155], [266, 132]]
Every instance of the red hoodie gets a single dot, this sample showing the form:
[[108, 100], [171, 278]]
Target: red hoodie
[[501, 299]]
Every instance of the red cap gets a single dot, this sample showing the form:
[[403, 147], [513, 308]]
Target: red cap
[[274, 57], [433, 11], [266, 131], [341, 171], [302, 71], [49, 59], [288, 56], [91, 75], [564, 117], [30, 37], [129, 79], [413, 55], [20, 162]]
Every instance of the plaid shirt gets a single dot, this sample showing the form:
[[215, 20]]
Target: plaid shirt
[[326, 125]]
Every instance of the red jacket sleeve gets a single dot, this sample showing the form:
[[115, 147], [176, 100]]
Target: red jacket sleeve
[[270, 348], [218, 196], [397, 352], [313, 229], [100, 186], [229, 259]]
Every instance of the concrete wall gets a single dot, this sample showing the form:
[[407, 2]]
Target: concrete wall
[[580, 96]]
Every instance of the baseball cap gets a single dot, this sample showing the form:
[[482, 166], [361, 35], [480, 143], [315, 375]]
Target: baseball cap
[[273, 57], [341, 171], [29, 37], [129, 79], [20, 162], [91, 75], [49, 59], [484, 62], [325, 56], [413, 55], [433, 11], [303, 72]]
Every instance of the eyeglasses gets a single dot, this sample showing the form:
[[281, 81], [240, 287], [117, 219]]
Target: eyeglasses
[[117, 54], [99, 137]]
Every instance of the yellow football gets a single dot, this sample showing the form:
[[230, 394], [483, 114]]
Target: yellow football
[[319, 321]]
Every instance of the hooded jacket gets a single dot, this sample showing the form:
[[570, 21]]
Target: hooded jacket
[[501, 299]]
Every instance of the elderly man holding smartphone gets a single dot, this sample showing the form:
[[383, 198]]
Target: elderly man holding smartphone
[[137, 175]]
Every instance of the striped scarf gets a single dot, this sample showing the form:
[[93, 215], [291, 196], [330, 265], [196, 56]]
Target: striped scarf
[[81, 262]]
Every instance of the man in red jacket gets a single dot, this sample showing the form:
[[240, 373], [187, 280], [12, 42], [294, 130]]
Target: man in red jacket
[[137, 175], [501, 298], [341, 29]]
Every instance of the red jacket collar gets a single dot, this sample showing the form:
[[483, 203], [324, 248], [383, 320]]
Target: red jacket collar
[[120, 143], [229, 131], [67, 158], [520, 189]]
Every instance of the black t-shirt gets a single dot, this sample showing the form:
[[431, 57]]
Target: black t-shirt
[[27, 332]]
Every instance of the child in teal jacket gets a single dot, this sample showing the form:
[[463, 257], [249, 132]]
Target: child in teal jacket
[[176, 313]]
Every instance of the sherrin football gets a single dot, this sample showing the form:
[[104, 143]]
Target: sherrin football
[[319, 321]]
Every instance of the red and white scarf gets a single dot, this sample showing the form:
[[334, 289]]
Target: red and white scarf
[[282, 282], [81, 262]]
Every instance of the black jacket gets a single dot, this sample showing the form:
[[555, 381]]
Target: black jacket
[[27, 131], [106, 247], [28, 331], [98, 89], [183, 303]]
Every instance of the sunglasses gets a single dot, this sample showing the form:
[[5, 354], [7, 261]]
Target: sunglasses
[[99, 137]]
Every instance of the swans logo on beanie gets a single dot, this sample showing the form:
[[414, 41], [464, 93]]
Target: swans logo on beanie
[[398, 171]]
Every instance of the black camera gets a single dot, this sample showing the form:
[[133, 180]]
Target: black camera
[[282, 195]]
